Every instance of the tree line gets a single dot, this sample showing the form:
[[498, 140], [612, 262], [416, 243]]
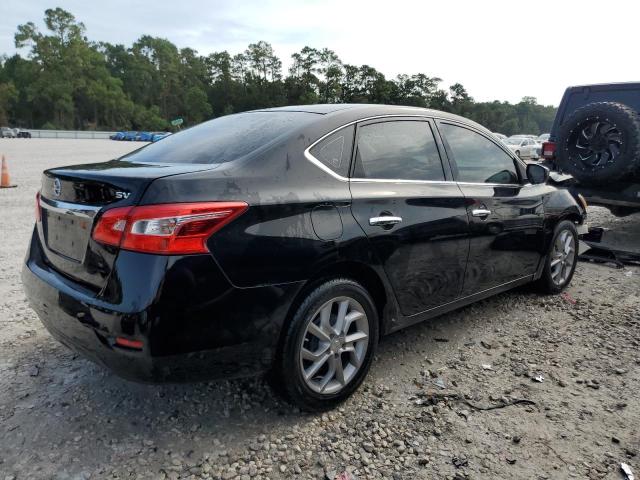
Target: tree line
[[70, 82]]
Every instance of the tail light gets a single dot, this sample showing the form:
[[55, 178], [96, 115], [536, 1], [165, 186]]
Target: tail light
[[549, 150], [38, 208], [127, 343], [172, 229]]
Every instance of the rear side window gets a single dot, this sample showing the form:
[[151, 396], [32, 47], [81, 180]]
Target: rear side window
[[223, 139], [478, 159], [403, 150], [335, 150]]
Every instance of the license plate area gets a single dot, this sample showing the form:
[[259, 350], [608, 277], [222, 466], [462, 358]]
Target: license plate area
[[67, 229]]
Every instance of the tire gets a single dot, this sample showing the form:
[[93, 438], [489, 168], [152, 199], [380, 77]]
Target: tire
[[306, 391], [518, 153], [550, 282], [600, 142]]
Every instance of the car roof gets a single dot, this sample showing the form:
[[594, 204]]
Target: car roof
[[342, 113], [365, 109], [607, 85], [320, 108]]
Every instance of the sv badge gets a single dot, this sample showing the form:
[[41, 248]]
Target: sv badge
[[122, 195]]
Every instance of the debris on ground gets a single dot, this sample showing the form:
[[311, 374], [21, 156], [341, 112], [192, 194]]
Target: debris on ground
[[439, 382], [626, 469], [568, 298]]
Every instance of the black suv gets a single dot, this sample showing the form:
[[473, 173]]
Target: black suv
[[595, 137], [289, 240]]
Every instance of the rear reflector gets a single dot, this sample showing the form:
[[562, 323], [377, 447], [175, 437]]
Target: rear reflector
[[549, 150], [171, 229], [126, 343]]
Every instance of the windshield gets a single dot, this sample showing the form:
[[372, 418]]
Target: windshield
[[513, 141], [223, 139]]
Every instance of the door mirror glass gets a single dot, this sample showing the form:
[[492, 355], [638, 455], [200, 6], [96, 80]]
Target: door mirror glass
[[537, 173]]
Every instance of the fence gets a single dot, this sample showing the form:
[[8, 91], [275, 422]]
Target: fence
[[80, 134]]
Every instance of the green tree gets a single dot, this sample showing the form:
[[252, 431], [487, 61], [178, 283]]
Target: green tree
[[68, 81], [8, 96], [71, 80], [197, 106]]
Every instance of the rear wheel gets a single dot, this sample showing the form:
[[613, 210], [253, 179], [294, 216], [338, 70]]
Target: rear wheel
[[600, 142], [328, 345], [561, 259]]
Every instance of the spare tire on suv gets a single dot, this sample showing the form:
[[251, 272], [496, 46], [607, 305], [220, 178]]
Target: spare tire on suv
[[600, 143]]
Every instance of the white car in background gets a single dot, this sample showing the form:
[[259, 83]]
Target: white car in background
[[6, 132], [543, 138], [524, 147]]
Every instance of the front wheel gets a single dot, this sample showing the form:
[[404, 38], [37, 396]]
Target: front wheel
[[561, 259], [328, 346]]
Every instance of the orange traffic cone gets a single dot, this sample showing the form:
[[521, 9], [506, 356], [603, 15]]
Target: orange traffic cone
[[5, 178]]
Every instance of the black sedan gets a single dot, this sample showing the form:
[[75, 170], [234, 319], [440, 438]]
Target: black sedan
[[288, 241]]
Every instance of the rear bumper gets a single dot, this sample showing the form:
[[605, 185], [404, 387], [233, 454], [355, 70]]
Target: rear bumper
[[204, 330]]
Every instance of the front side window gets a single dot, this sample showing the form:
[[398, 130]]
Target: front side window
[[335, 150], [478, 159], [401, 150]]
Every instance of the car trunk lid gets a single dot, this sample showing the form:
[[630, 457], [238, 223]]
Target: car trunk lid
[[71, 198]]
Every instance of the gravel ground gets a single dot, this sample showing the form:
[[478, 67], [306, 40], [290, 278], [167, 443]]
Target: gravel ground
[[454, 398]]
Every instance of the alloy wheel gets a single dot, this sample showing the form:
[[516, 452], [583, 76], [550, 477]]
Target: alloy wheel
[[563, 257], [594, 143], [334, 345]]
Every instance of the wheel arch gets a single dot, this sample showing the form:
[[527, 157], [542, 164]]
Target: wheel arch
[[572, 216], [359, 272]]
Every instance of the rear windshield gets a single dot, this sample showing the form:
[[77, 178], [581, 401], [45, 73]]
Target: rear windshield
[[223, 139]]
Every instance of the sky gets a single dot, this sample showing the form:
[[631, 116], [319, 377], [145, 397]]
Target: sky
[[499, 50]]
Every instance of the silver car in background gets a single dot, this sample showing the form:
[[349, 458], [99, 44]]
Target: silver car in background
[[6, 132], [524, 147]]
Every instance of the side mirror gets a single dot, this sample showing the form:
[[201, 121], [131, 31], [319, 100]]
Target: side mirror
[[537, 174]]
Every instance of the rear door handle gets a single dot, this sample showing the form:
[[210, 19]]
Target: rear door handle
[[480, 212], [384, 221]]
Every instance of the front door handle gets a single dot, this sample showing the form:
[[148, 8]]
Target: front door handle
[[480, 212], [385, 221]]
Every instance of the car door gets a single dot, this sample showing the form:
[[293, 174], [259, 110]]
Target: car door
[[531, 148], [411, 210], [506, 214]]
